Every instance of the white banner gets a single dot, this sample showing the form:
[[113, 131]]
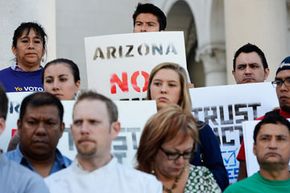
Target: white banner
[[15, 99], [224, 108], [119, 66], [248, 132], [123, 147]]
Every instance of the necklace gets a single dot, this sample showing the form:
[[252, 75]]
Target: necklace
[[174, 185]]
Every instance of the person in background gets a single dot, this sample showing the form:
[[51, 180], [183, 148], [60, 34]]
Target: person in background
[[250, 65], [165, 148], [282, 85], [95, 125], [29, 47], [40, 126], [168, 84], [148, 18], [13, 177], [272, 149], [61, 77]]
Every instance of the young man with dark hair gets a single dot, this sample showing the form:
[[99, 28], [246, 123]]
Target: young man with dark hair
[[148, 18], [272, 149], [13, 177], [250, 65]]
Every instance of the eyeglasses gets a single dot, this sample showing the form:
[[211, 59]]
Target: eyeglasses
[[279, 82], [176, 156]]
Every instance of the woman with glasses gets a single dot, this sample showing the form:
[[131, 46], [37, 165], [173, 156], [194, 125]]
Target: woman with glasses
[[165, 148], [167, 85]]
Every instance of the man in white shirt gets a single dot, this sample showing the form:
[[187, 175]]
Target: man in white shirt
[[95, 125]]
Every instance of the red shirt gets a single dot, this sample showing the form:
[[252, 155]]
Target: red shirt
[[241, 155]]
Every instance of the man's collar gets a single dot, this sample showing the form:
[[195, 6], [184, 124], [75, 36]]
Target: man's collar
[[284, 114]]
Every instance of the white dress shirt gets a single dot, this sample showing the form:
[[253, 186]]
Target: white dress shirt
[[111, 178]]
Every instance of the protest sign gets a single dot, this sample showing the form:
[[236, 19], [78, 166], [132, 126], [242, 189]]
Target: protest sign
[[119, 66], [224, 108], [15, 99]]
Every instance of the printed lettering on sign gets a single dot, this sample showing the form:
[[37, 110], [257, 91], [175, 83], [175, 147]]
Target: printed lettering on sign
[[127, 51], [226, 112], [29, 89], [123, 83], [119, 65]]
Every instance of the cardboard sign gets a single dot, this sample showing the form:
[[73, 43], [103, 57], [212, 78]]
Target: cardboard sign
[[119, 66], [225, 108], [123, 147]]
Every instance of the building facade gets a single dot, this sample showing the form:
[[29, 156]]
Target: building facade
[[213, 30]]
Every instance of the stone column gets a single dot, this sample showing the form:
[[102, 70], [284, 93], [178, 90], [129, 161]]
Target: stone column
[[261, 22], [14, 12], [213, 60]]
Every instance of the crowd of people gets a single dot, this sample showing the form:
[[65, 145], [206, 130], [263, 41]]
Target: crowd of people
[[176, 154]]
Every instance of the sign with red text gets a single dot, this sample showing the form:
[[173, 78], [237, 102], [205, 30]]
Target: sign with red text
[[123, 147], [118, 66], [225, 108]]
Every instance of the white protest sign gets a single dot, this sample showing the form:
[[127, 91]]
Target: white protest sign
[[15, 99], [119, 66], [123, 147], [248, 132], [224, 108]]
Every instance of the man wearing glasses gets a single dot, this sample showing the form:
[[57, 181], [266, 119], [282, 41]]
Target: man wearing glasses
[[282, 85]]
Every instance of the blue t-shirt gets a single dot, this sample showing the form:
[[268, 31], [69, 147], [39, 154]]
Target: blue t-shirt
[[19, 81], [15, 178]]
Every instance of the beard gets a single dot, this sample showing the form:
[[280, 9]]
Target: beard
[[272, 165], [87, 150], [285, 107]]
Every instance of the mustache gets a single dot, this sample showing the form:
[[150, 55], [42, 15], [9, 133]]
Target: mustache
[[40, 140], [272, 154], [85, 139]]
